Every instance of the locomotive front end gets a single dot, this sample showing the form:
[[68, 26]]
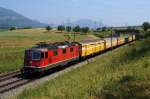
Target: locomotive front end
[[33, 61]]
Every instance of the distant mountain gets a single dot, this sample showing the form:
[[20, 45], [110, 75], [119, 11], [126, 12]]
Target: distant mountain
[[10, 18], [86, 23]]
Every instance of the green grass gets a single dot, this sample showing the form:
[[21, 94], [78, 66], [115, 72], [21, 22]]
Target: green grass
[[120, 74], [102, 34], [26, 38], [13, 44], [11, 59], [1, 30]]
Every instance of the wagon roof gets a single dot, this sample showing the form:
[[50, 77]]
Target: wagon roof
[[91, 41], [109, 38]]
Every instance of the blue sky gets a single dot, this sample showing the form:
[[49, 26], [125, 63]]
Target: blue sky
[[110, 12]]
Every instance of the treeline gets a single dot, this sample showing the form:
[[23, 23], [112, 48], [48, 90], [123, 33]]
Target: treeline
[[145, 26], [14, 28], [70, 29]]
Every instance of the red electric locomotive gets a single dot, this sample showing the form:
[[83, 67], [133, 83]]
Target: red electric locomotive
[[47, 56]]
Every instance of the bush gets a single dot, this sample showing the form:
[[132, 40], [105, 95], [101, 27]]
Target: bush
[[48, 28], [85, 29], [146, 26], [12, 28], [68, 28], [77, 29]]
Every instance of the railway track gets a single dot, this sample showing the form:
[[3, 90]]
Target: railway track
[[11, 81], [14, 80], [9, 75]]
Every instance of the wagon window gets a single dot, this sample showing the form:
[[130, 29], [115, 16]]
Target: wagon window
[[64, 51], [71, 49], [55, 53]]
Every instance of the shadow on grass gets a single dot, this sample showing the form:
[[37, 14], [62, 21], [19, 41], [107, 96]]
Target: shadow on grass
[[125, 88]]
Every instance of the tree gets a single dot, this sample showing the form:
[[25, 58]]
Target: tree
[[77, 29], [85, 29], [104, 29], [68, 28], [146, 26], [12, 28], [61, 28], [98, 29], [48, 28]]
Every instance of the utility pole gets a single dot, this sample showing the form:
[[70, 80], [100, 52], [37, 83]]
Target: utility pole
[[111, 38], [74, 36]]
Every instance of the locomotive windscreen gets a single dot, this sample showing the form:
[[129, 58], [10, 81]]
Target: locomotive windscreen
[[36, 55]]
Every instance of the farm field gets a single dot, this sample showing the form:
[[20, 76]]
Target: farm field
[[13, 44], [120, 74], [102, 34]]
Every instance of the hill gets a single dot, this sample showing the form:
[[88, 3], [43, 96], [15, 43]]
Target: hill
[[10, 18], [86, 23]]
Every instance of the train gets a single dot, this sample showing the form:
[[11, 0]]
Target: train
[[46, 56]]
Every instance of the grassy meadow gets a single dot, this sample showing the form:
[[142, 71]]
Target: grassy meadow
[[13, 44], [102, 34], [119, 74]]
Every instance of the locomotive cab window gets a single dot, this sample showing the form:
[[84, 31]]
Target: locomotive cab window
[[42, 55], [46, 54], [36, 55], [64, 51], [71, 49]]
